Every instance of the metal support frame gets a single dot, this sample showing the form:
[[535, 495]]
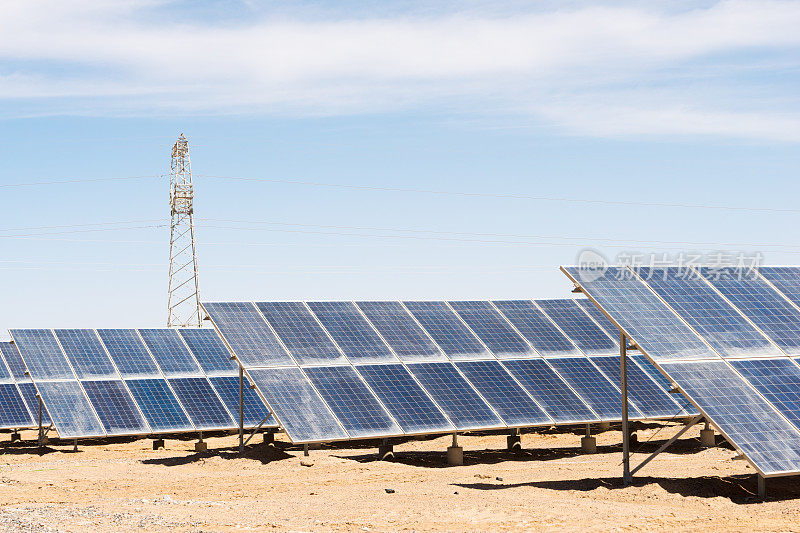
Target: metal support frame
[[241, 410], [667, 444], [627, 477], [762, 486]]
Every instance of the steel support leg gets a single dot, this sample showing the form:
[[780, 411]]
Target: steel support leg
[[41, 429], [627, 479], [762, 487], [241, 409]]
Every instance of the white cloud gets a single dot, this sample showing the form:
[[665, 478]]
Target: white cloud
[[607, 70]]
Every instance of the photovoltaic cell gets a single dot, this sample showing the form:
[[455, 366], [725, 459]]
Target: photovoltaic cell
[[42, 354], [85, 353], [707, 312], [590, 309], [115, 407], [405, 400], [303, 414], [352, 402], [169, 352], [254, 409], [210, 351], [493, 330], [647, 319], [741, 414], [465, 408], [301, 333], [159, 405], [583, 331], [14, 361], [651, 370], [129, 352], [205, 409], [5, 371], [753, 296], [69, 409], [29, 394], [351, 331], [539, 330], [778, 380], [449, 332], [248, 334], [401, 332], [13, 413], [503, 393], [553, 394], [786, 279]]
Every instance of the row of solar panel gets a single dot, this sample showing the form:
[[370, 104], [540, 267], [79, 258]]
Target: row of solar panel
[[717, 333], [125, 382]]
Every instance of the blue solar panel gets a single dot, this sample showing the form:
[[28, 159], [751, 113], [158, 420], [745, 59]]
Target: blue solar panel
[[13, 413], [115, 407], [160, 406], [210, 351], [602, 320], [503, 393], [642, 314], [204, 408], [352, 402], [69, 409], [707, 312], [303, 414], [248, 334], [786, 279], [651, 399], [465, 408], [449, 332], [493, 329], [301, 333], [778, 380], [85, 353], [539, 330], [170, 352], [254, 409], [754, 297], [129, 352], [651, 370], [405, 399], [599, 392], [352, 332], [5, 371], [31, 398], [401, 332], [578, 326], [553, 394], [741, 414], [42, 354], [15, 363]]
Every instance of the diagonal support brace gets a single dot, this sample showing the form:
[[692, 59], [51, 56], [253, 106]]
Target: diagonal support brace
[[667, 444]]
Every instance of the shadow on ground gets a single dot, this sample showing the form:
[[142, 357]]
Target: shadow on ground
[[264, 453]]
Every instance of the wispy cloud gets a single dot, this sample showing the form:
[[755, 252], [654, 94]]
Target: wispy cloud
[[615, 70]]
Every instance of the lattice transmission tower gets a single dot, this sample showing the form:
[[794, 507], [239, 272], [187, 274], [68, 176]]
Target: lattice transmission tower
[[184, 292]]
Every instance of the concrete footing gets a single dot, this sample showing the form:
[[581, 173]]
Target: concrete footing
[[455, 456], [15, 437], [200, 446], [589, 444], [707, 439], [158, 444], [386, 452], [513, 443], [269, 437]]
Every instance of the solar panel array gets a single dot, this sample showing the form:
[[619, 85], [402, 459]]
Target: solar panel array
[[107, 382], [347, 370], [17, 409], [727, 337]]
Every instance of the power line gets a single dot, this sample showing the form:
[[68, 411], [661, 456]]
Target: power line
[[72, 181]]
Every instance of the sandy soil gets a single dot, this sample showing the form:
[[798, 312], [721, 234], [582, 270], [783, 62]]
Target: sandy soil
[[126, 486]]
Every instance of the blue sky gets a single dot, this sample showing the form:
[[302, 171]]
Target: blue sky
[[551, 111]]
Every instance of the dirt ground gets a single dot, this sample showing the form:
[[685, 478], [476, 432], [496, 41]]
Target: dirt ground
[[125, 485]]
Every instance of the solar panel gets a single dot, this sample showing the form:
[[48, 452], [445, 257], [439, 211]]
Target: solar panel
[[115, 407], [31, 398], [5, 372], [493, 329], [159, 405], [449, 332], [69, 409], [16, 365], [302, 412], [597, 315], [537, 329], [408, 340], [642, 314], [707, 312], [405, 399], [503, 393], [254, 408], [778, 380], [209, 351], [553, 393], [747, 420], [579, 327], [651, 400], [786, 279], [85, 352], [42, 354], [247, 334], [301, 333], [170, 352], [13, 412], [201, 403], [129, 353], [599, 392], [462, 405], [754, 297], [352, 332], [352, 402]]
